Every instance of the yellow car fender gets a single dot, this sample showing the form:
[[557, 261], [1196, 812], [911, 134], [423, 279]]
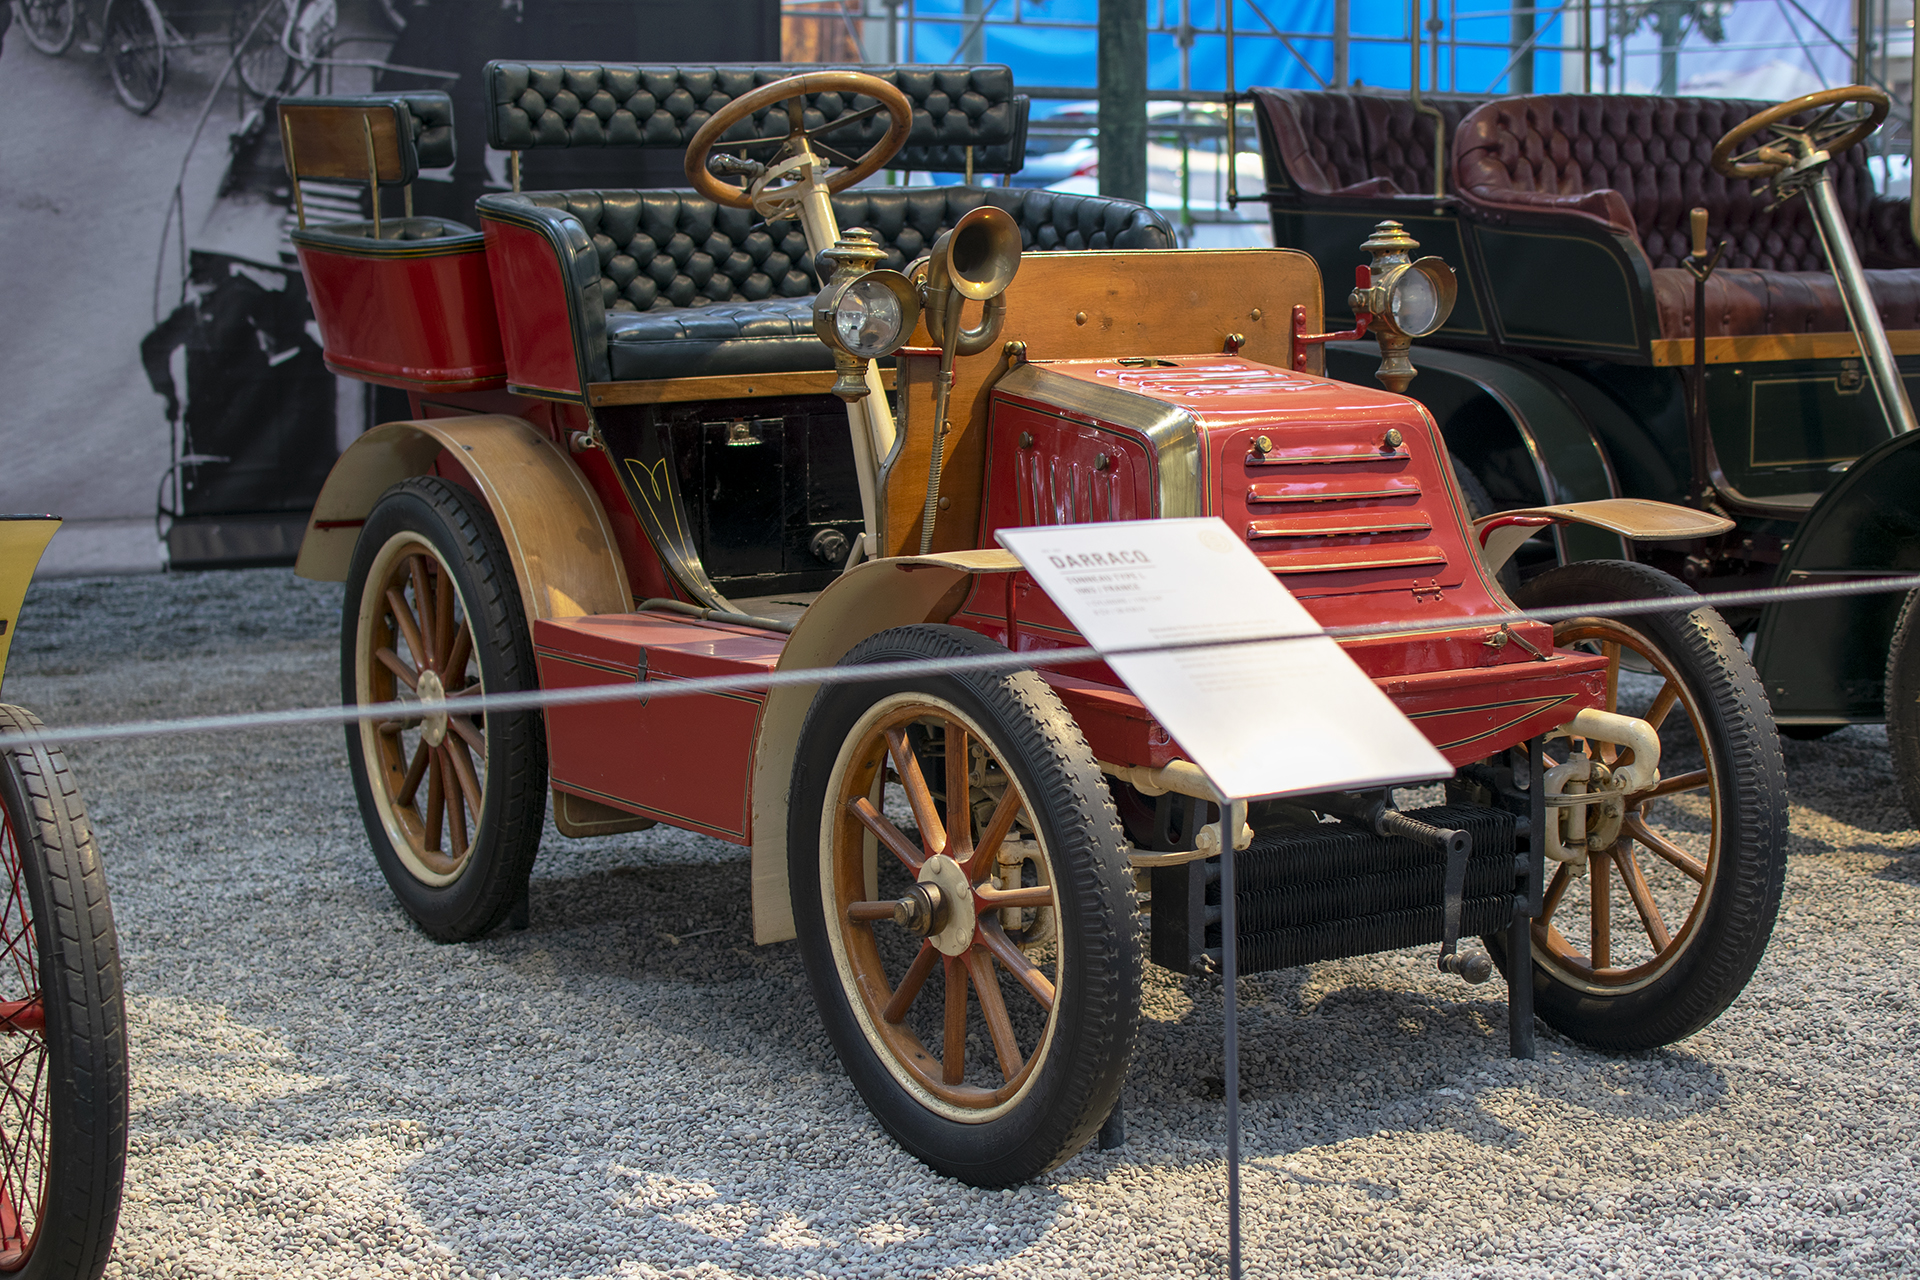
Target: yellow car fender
[[22, 541], [564, 557]]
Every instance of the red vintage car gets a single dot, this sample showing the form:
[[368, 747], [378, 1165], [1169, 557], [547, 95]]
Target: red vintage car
[[747, 428]]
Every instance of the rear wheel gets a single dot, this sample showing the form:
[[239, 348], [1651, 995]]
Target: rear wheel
[[135, 45], [1903, 704], [989, 1020], [1653, 936], [49, 24], [453, 802], [63, 1032], [256, 27]]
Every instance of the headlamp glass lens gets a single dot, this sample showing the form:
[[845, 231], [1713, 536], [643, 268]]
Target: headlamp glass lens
[[1415, 303], [868, 319]]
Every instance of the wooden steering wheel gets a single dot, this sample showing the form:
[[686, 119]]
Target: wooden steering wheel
[[799, 139], [1824, 134]]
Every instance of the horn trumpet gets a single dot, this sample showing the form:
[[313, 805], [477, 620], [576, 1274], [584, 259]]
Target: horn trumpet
[[973, 262]]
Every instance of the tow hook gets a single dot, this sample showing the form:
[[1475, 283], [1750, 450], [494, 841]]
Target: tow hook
[[1590, 797]]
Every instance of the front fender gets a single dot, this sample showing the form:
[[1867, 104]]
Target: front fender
[[867, 599], [557, 535], [1825, 661], [23, 540]]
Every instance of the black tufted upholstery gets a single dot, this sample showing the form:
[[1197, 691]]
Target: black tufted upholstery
[[661, 251], [1353, 144], [1639, 165], [727, 337], [540, 105]]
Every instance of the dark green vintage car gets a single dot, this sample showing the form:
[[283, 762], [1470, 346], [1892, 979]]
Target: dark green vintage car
[[1567, 369]]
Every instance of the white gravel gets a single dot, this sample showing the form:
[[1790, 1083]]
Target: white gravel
[[321, 1091]]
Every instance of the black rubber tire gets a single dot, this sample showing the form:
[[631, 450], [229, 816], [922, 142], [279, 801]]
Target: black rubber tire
[[1903, 704], [1097, 1009], [514, 786], [84, 1057], [135, 47], [1744, 897], [49, 25], [263, 66]]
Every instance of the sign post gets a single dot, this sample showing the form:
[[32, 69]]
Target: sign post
[[1244, 680]]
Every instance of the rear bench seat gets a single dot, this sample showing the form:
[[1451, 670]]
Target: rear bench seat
[[1347, 145], [669, 284], [1639, 165]]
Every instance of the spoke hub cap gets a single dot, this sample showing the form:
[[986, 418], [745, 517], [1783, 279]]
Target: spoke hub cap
[[433, 726], [955, 935]]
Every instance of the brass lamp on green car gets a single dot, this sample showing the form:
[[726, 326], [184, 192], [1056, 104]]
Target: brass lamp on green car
[[862, 314], [1407, 299]]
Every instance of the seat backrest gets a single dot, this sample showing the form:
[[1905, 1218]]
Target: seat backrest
[[1363, 144], [660, 249], [1654, 152], [381, 139], [538, 105]]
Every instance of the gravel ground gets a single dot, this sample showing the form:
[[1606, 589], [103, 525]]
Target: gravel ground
[[630, 1088]]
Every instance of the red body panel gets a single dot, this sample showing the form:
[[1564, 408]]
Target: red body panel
[[531, 294], [1360, 528], [414, 316], [687, 761]]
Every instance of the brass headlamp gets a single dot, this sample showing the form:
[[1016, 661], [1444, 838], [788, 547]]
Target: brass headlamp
[[1407, 298], [863, 314]]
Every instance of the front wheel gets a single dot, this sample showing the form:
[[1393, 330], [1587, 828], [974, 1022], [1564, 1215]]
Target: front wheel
[[135, 45], [452, 801], [63, 1029], [1903, 704], [964, 907], [49, 24], [1653, 936]]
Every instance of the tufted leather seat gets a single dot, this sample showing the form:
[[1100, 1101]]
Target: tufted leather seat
[[1354, 144], [727, 337], [642, 259], [1638, 165], [542, 105]]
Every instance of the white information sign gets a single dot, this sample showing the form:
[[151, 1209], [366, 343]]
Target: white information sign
[[1268, 718]]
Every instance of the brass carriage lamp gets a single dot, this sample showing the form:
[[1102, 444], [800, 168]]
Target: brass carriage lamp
[[1406, 298], [863, 313]]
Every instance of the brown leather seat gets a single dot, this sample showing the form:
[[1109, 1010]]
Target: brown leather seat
[[1639, 165], [1353, 144]]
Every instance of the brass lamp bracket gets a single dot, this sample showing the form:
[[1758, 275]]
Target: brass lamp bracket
[[1362, 279]]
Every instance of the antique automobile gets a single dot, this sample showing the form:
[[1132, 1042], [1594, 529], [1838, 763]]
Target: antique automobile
[[755, 428], [1661, 298], [63, 1033]]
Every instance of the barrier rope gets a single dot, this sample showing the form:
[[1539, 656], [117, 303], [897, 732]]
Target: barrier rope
[[989, 663]]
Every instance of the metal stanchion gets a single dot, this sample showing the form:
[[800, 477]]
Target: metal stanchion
[[1230, 819]]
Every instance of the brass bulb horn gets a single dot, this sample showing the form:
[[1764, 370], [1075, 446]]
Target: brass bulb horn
[[973, 262]]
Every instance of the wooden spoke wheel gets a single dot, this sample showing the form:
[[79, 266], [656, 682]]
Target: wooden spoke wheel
[[452, 799], [63, 1036], [962, 896], [49, 24], [1659, 929], [135, 45]]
